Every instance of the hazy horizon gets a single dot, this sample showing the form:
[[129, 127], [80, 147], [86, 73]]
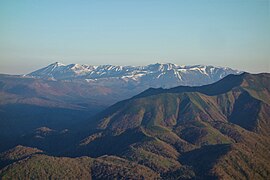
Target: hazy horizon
[[225, 33]]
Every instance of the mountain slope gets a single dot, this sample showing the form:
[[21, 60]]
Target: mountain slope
[[178, 126]]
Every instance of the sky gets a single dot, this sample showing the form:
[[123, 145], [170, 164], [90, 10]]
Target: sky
[[230, 33]]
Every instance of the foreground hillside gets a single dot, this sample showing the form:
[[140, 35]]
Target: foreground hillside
[[218, 131], [41, 166]]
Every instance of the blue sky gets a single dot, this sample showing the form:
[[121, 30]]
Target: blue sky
[[232, 33]]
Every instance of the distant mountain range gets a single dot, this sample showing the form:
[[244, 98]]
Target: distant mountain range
[[216, 131], [165, 75]]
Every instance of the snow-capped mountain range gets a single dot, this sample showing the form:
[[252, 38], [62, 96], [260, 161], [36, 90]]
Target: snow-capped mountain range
[[154, 75], [93, 88]]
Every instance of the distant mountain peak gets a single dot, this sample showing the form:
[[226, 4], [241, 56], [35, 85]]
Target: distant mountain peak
[[57, 64]]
